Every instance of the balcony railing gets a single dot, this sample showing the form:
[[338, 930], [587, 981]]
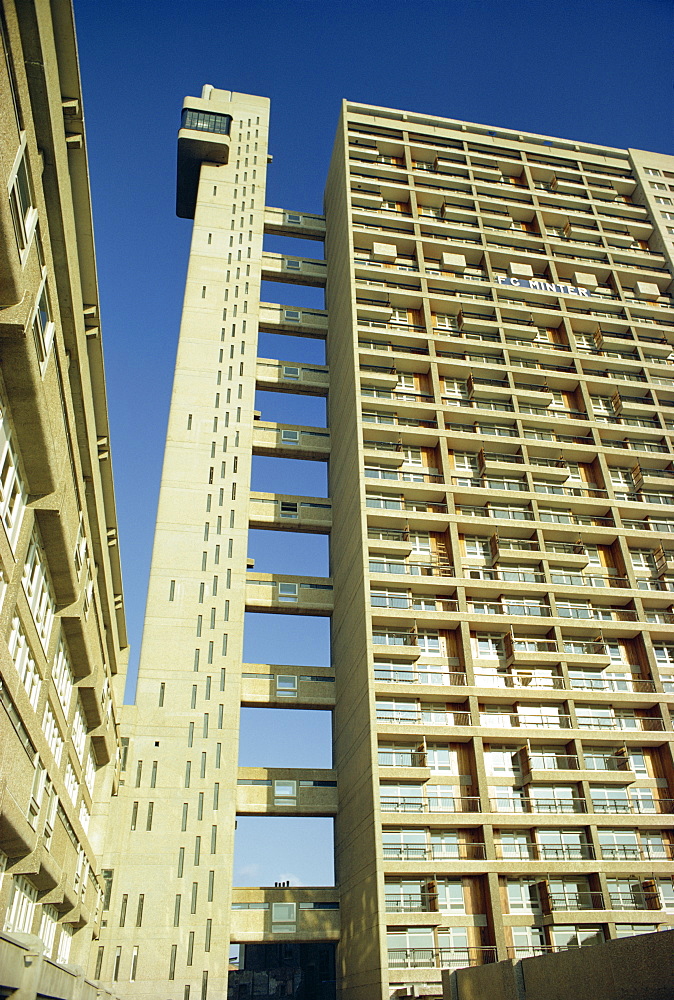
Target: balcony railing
[[510, 606], [634, 806], [439, 958], [635, 852], [522, 680], [588, 579], [402, 758], [504, 804], [544, 852], [414, 717], [550, 762], [432, 804], [412, 675], [512, 575], [642, 724], [633, 899], [418, 605], [574, 900], [503, 720], [422, 903], [434, 852], [611, 684]]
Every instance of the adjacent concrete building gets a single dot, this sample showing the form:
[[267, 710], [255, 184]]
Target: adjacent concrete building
[[63, 645], [499, 333]]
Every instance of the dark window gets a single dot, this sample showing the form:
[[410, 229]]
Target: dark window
[[203, 121]]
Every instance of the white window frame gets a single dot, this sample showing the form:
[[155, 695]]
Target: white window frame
[[24, 217], [42, 322]]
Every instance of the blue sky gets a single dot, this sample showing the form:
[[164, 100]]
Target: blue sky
[[594, 70]]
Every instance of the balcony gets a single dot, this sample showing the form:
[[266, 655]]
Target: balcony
[[645, 724], [568, 899], [629, 852], [522, 679], [552, 804], [419, 717], [418, 605], [511, 720], [544, 852], [439, 958], [434, 852], [633, 806], [432, 804], [638, 685], [418, 675]]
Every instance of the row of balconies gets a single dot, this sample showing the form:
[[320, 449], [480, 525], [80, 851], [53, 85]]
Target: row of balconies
[[476, 851], [526, 719], [516, 805]]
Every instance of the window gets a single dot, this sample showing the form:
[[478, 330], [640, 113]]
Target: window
[[285, 792], [43, 324], [38, 590], [65, 942], [523, 896], [12, 491], [37, 792], [79, 733], [21, 909], [205, 121], [21, 200], [47, 931], [71, 783], [570, 936], [24, 662], [52, 733], [288, 592], [292, 264], [284, 918], [62, 675], [489, 646], [286, 686], [290, 437]]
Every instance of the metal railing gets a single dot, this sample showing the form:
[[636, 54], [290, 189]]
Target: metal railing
[[504, 720], [634, 723], [629, 852], [432, 804], [553, 762], [505, 804], [544, 852], [413, 675], [575, 900], [611, 684], [435, 852], [414, 717], [634, 806], [439, 958]]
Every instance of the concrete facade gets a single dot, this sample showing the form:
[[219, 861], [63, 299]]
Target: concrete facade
[[63, 647], [635, 968], [499, 330]]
